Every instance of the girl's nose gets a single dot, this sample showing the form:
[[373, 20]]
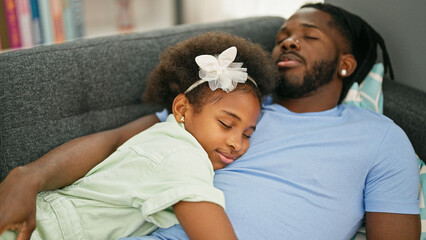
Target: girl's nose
[[235, 143]]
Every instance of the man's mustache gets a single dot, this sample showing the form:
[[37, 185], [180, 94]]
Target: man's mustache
[[290, 55]]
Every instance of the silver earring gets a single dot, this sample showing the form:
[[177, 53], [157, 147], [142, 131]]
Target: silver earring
[[343, 72], [182, 119]]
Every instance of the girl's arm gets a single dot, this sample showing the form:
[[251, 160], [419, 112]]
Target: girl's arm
[[58, 168], [204, 221]]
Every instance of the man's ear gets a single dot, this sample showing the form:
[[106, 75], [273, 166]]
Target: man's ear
[[179, 107], [347, 65]]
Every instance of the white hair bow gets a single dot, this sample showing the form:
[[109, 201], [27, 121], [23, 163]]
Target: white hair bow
[[221, 72]]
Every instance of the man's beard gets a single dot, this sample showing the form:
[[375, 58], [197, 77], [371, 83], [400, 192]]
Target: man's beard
[[319, 75]]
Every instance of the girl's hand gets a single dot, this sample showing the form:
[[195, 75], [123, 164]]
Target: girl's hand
[[204, 221]]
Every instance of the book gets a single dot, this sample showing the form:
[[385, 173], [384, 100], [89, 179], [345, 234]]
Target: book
[[4, 36], [68, 20], [73, 18], [77, 9], [57, 21], [46, 21], [36, 23], [125, 16], [23, 12], [12, 24]]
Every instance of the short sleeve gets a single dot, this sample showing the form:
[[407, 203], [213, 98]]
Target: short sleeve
[[183, 176], [392, 184]]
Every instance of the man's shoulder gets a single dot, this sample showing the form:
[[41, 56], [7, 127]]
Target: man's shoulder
[[365, 114], [374, 123]]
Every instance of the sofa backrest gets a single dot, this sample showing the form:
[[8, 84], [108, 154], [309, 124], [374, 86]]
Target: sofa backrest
[[406, 106], [51, 94]]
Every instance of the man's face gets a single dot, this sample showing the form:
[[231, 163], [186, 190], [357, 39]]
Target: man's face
[[306, 53]]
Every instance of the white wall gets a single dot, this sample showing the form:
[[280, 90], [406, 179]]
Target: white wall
[[101, 15], [402, 26], [201, 11]]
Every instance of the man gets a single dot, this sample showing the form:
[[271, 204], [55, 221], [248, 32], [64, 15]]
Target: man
[[314, 169]]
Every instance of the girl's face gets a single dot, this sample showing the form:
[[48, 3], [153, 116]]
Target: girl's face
[[223, 127]]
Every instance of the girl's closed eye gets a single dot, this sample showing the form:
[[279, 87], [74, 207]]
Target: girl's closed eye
[[247, 134], [225, 125]]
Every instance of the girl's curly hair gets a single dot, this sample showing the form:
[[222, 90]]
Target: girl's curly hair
[[177, 69]]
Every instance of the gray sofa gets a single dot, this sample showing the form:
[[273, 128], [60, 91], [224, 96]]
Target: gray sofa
[[51, 94]]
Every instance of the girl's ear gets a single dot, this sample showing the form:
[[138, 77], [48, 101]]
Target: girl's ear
[[347, 65], [180, 107]]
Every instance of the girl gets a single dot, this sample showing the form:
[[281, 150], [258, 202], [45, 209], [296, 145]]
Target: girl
[[165, 174]]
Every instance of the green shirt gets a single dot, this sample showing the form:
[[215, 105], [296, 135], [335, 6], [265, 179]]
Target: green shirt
[[133, 190]]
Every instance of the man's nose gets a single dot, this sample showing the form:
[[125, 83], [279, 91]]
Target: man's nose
[[290, 44]]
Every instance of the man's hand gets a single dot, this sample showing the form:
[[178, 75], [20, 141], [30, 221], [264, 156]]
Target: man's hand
[[18, 203]]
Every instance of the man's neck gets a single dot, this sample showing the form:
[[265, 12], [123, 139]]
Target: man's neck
[[304, 104], [324, 98]]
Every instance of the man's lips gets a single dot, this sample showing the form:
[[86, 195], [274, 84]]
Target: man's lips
[[226, 158], [288, 60]]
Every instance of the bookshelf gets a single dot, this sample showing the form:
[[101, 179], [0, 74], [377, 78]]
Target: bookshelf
[[28, 23]]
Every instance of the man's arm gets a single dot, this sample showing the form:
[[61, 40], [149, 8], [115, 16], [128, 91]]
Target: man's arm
[[392, 226], [204, 221], [58, 168], [392, 187]]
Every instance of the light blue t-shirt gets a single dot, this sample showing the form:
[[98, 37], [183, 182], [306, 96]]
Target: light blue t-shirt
[[313, 175]]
